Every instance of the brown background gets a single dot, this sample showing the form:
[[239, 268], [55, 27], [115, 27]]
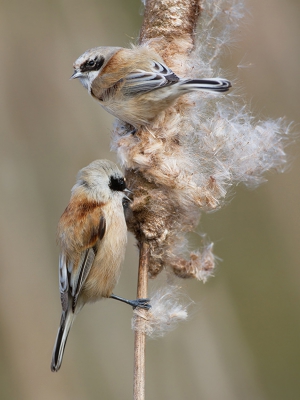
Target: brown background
[[243, 340]]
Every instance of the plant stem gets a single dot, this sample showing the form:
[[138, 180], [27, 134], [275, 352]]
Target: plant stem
[[176, 26], [140, 336]]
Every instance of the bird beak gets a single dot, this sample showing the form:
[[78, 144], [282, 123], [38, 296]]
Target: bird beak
[[77, 74], [127, 198], [127, 191]]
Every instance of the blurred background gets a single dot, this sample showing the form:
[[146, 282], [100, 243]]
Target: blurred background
[[243, 340]]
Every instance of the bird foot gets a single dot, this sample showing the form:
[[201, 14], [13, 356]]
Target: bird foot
[[141, 303]]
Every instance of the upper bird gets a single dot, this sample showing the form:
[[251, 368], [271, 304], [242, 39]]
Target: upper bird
[[92, 235], [135, 85]]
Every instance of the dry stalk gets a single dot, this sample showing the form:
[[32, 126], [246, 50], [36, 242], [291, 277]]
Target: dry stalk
[[140, 335], [169, 28]]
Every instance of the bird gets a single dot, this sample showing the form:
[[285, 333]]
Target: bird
[[135, 85], [92, 235]]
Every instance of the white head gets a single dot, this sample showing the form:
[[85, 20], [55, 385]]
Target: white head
[[88, 66], [101, 181]]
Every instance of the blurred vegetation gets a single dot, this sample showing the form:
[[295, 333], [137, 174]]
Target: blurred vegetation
[[243, 340]]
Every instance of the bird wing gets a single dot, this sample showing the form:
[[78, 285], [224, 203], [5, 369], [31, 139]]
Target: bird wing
[[88, 257], [78, 255], [141, 81]]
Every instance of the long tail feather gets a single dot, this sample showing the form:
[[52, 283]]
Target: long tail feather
[[61, 339], [213, 85]]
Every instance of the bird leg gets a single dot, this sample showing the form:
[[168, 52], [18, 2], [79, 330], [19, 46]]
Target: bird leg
[[138, 303]]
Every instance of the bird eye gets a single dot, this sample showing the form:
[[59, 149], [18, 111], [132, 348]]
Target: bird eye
[[117, 183], [92, 64]]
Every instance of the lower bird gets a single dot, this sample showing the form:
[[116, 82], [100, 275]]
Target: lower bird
[[135, 85], [92, 235]]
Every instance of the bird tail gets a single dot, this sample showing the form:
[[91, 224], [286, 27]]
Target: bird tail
[[212, 85], [61, 339]]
